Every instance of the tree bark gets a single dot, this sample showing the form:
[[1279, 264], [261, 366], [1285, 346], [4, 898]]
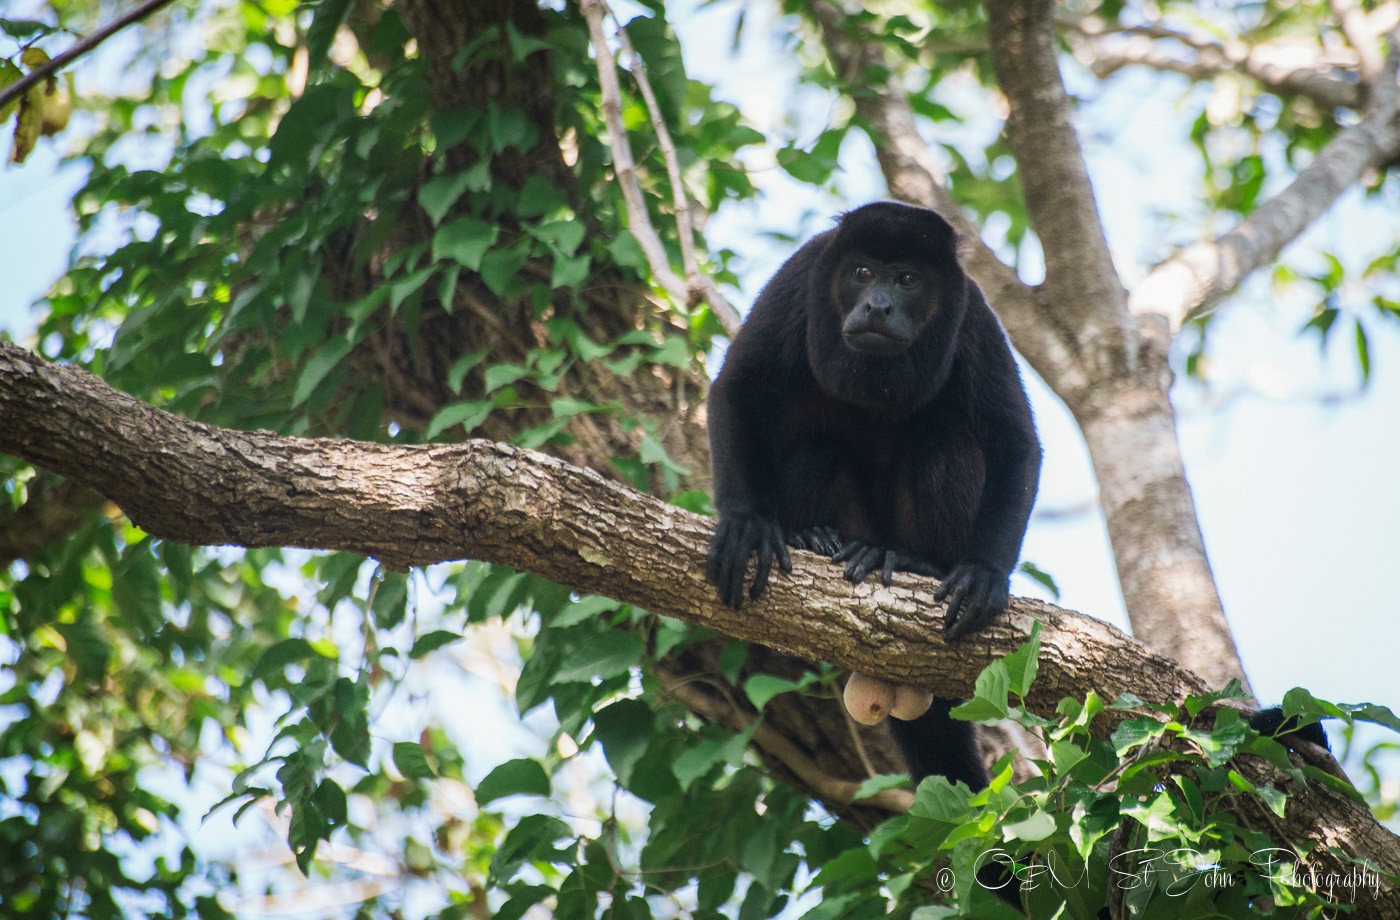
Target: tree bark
[[415, 505]]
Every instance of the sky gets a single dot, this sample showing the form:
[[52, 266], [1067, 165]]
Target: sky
[[1296, 490]]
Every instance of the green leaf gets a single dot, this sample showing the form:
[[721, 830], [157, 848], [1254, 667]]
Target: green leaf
[[462, 367], [88, 646], [1363, 353], [464, 241], [652, 451], [627, 252], [1038, 826], [605, 655], [390, 603], [539, 435], [514, 777], [499, 267], [569, 271], [277, 657], [467, 414], [431, 642], [325, 359], [568, 408], [1041, 577], [991, 698], [531, 839], [881, 783], [1371, 712], [438, 196], [329, 14], [1023, 664], [9, 74], [539, 197], [404, 288], [564, 235], [499, 375], [411, 761], [585, 608], [625, 729], [701, 757], [763, 687], [1134, 732], [674, 351]]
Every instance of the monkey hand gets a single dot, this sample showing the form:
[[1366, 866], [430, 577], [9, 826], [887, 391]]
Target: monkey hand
[[862, 558], [738, 537], [975, 594], [824, 540]]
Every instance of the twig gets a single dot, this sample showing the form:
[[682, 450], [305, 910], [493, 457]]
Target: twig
[[786, 753], [1271, 66], [44, 71], [685, 228], [638, 220], [856, 740]]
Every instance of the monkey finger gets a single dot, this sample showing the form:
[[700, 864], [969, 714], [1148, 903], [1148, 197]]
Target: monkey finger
[[888, 575], [953, 625], [740, 550], [861, 565], [784, 557], [848, 552], [763, 566], [735, 582]]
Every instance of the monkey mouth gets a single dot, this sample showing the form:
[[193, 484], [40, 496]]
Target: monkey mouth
[[875, 342]]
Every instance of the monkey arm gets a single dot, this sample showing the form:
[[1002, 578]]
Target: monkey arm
[[745, 486], [977, 589]]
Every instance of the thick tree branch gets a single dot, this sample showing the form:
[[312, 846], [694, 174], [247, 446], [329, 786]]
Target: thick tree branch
[[194, 483], [1079, 273], [1199, 276], [913, 175], [1119, 392]]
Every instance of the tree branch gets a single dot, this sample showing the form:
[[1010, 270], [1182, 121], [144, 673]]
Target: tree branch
[[1079, 273], [1284, 70], [782, 750], [18, 88], [415, 505], [52, 510], [1199, 276], [638, 221]]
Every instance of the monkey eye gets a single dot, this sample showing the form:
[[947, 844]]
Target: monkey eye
[[863, 273], [908, 280]]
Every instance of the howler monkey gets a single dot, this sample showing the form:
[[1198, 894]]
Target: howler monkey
[[870, 409]]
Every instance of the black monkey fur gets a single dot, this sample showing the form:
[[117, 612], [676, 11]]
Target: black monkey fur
[[870, 409], [884, 423]]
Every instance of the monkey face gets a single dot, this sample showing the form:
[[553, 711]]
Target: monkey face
[[884, 305]]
